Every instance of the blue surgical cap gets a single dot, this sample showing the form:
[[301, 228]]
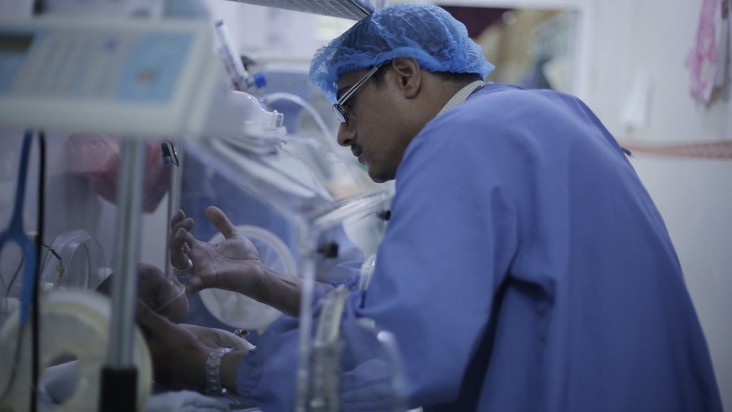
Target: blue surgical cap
[[424, 32]]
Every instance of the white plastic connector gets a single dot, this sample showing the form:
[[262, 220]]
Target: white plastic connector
[[258, 122]]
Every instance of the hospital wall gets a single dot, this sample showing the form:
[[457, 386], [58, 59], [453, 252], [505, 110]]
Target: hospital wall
[[638, 50]]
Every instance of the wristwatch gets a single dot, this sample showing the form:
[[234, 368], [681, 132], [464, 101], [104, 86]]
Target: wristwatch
[[213, 370]]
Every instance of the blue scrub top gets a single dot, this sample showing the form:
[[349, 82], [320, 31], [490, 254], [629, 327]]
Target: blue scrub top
[[525, 268]]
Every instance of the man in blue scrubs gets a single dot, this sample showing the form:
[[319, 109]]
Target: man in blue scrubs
[[524, 268]]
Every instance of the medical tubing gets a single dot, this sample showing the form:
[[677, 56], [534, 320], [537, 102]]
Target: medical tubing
[[181, 291], [330, 140], [273, 97]]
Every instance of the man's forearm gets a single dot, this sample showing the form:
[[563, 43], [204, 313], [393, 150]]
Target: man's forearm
[[285, 292]]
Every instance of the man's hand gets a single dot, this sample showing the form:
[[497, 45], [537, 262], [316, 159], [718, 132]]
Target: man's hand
[[179, 356], [232, 264]]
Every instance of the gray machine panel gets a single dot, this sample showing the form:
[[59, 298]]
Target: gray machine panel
[[347, 9]]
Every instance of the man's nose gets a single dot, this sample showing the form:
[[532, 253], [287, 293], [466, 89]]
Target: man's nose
[[345, 135]]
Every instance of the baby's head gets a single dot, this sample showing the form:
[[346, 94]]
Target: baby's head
[[163, 294]]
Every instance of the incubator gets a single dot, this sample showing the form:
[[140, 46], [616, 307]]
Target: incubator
[[111, 124]]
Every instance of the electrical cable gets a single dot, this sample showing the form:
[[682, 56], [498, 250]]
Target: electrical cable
[[44, 261], [39, 241], [59, 267], [52, 251]]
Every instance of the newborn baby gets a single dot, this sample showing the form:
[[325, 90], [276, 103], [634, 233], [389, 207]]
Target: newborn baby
[[167, 297], [164, 295]]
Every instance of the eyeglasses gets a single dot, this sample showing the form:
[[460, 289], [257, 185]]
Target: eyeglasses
[[339, 107]]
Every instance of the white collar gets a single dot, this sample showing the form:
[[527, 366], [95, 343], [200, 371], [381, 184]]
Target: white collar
[[461, 95]]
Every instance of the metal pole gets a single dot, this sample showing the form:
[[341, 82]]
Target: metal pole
[[119, 376], [307, 245], [176, 182]]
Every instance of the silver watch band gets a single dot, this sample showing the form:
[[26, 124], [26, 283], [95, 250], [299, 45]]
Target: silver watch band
[[213, 370]]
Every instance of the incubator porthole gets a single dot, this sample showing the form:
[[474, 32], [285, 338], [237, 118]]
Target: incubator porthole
[[72, 261], [237, 310]]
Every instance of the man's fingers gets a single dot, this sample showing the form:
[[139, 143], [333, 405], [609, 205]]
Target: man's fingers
[[179, 239], [180, 249], [180, 221], [176, 218], [186, 224], [222, 223], [187, 249], [194, 284]]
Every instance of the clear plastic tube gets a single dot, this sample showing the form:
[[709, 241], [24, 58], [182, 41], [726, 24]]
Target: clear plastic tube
[[180, 290], [346, 180], [273, 97]]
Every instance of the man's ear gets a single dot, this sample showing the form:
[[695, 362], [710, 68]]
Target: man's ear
[[408, 75]]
